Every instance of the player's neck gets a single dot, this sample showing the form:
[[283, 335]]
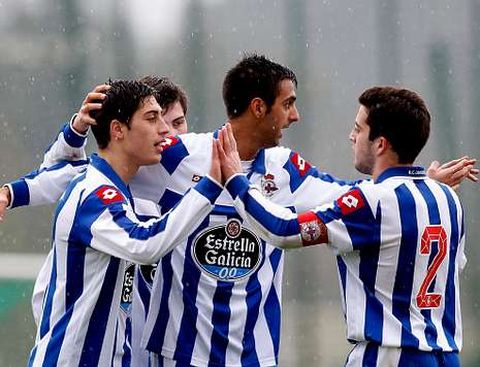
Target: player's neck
[[122, 166], [247, 144], [384, 163]]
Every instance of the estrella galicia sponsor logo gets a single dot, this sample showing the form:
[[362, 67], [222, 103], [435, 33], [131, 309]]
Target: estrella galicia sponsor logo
[[228, 252], [127, 286]]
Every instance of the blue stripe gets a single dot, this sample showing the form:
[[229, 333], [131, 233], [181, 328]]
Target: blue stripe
[[190, 279], [368, 267], [47, 310], [72, 138], [402, 289], [143, 288], [273, 308], [370, 355], [97, 326], [20, 193], [75, 263], [155, 342], [342, 271], [127, 355], [168, 200], [221, 321], [253, 300], [173, 156], [448, 320], [431, 333]]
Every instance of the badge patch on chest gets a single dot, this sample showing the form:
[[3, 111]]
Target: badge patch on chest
[[268, 185], [228, 252]]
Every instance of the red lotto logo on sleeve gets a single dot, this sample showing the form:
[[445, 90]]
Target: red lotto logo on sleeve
[[168, 142], [351, 202], [302, 165], [109, 195]]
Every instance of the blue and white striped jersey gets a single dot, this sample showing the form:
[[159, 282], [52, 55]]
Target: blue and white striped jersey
[[400, 250], [216, 299], [95, 229]]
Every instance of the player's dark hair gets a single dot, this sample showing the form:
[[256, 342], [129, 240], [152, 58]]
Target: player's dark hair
[[167, 92], [122, 100], [399, 115], [254, 76]]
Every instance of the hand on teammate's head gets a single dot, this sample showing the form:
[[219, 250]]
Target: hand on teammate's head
[[90, 105]]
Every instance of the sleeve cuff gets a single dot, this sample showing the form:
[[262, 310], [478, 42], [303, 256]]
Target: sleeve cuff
[[209, 188], [237, 184], [72, 137], [19, 192]]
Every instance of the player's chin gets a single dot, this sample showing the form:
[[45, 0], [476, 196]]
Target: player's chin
[[153, 159]]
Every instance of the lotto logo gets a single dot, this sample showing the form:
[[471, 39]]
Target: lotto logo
[[351, 202], [301, 164], [109, 195], [169, 141]]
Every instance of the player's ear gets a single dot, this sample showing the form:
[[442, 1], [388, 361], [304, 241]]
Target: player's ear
[[116, 130], [382, 145], [258, 107]]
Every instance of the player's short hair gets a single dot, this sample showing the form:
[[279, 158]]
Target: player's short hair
[[122, 100], [167, 92], [399, 115], [254, 76]]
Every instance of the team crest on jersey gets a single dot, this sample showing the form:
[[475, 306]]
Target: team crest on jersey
[[300, 164], [228, 252], [108, 195], [268, 185], [312, 230], [169, 142], [351, 202], [127, 287]]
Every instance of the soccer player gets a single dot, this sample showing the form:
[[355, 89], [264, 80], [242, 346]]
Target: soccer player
[[399, 240], [96, 230], [137, 282], [216, 298]]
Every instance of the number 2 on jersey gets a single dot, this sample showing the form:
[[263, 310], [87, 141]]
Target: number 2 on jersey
[[432, 233]]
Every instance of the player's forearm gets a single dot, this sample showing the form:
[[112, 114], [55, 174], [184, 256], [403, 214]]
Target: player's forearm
[[44, 186], [147, 242], [274, 223]]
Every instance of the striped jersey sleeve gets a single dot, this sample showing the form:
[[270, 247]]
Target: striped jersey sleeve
[[63, 160]]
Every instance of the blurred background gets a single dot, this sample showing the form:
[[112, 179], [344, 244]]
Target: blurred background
[[54, 51]]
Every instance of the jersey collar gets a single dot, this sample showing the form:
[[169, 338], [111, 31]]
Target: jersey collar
[[105, 168], [410, 171]]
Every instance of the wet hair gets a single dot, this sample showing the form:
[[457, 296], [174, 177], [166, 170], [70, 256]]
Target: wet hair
[[399, 115], [254, 76], [122, 100], [167, 92]]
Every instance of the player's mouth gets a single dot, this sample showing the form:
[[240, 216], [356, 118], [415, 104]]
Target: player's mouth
[[159, 146]]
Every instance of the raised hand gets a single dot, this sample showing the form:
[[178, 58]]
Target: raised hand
[[91, 104], [229, 157], [454, 172], [215, 170]]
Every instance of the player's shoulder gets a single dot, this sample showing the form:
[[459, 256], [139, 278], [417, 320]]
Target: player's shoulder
[[289, 159]]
